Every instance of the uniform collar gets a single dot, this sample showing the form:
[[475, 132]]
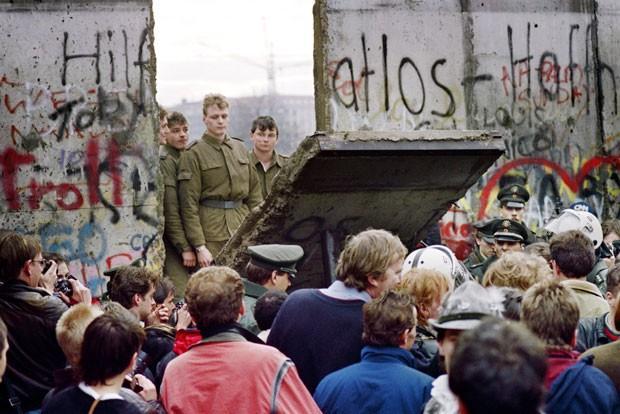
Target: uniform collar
[[211, 140], [277, 158], [166, 149]]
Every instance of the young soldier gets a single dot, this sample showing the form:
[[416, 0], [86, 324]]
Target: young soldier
[[217, 184], [263, 156], [512, 200], [180, 257]]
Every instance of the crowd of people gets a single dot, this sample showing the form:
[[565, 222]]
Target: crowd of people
[[529, 323]]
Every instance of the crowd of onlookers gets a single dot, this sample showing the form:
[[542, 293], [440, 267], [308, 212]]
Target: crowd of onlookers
[[392, 333], [528, 323]]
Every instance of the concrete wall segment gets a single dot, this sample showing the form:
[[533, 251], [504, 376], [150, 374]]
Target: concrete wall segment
[[78, 122]]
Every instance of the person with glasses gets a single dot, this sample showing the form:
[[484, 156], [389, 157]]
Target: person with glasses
[[30, 314]]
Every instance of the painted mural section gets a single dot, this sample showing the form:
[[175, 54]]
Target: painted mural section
[[78, 153], [545, 75]]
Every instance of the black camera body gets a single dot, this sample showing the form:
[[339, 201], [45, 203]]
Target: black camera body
[[62, 285]]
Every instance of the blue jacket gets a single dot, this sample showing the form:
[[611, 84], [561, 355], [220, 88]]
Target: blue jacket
[[582, 389], [383, 382]]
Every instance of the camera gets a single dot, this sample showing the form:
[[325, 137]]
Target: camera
[[62, 285]]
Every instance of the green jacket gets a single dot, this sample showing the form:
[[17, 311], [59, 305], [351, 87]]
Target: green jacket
[[210, 170], [478, 270], [173, 226], [253, 291], [266, 177]]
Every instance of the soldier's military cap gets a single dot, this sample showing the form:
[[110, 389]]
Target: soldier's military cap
[[510, 230], [281, 257], [486, 228], [513, 195]]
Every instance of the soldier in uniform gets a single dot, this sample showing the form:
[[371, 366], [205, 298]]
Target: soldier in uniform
[[180, 256], [271, 267], [217, 184], [263, 156], [512, 200], [510, 236], [484, 243]]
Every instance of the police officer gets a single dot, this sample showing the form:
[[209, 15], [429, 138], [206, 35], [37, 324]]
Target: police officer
[[263, 155], [483, 243], [180, 256], [510, 236], [217, 184], [512, 200], [271, 266]]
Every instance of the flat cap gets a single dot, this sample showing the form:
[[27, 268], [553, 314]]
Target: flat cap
[[510, 230], [514, 195], [281, 257]]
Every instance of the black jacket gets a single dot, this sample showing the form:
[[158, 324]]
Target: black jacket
[[591, 333], [30, 315]]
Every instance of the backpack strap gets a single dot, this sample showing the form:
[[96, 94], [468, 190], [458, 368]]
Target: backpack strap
[[14, 402], [277, 384], [93, 406]]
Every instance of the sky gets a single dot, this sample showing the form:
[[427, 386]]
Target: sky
[[207, 46]]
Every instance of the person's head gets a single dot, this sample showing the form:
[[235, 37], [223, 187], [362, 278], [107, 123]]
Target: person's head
[[215, 110], [109, 349], [62, 270], [214, 297], [540, 249], [4, 347], [483, 237], [550, 310], [390, 320], [512, 199], [164, 293], [21, 258], [510, 236], [134, 287], [267, 307], [498, 367], [517, 270], [462, 310], [264, 134], [572, 254], [611, 230], [163, 125], [371, 260], [273, 266], [178, 131], [70, 330], [427, 288], [613, 288]]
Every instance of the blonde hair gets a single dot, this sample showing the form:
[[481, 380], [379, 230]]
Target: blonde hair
[[425, 286], [216, 99], [70, 330], [516, 270], [368, 253], [550, 310]]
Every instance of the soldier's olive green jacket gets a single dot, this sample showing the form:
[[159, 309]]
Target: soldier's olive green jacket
[[210, 170], [173, 226], [266, 177]]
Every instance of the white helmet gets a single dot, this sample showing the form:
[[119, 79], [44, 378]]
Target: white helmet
[[441, 259], [585, 222]]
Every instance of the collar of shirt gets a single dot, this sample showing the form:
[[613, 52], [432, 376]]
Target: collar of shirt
[[338, 290], [277, 159], [91, 391], [214, 142]]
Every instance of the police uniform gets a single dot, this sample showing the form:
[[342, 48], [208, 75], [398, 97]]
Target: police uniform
[[217, 189], [484, 229], [516, 195], [266, 177], [279, 257], [175, 241]]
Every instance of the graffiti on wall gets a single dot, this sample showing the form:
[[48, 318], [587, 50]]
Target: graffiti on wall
[[547, 84], [78, 146]]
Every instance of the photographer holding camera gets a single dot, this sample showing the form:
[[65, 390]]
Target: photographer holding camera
[[57, 279]]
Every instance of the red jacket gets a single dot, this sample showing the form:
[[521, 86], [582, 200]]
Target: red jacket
[[235, 376]]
